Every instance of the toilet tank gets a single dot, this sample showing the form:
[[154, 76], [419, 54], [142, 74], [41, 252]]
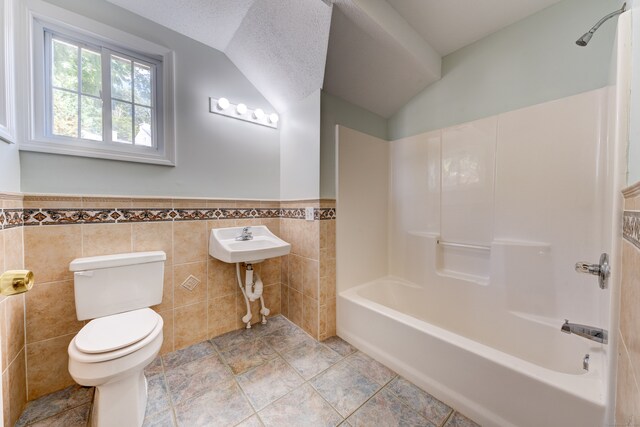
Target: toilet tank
[[111, 284]]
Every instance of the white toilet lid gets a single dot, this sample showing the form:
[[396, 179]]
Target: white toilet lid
[[116, 331]]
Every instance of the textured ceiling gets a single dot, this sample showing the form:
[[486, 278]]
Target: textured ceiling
[[212, 22], [281, 46], [380, 53], [449, 25]]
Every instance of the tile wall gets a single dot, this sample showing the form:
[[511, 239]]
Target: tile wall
[[59, 229], [309, 272], [628, 378], [12, 309]]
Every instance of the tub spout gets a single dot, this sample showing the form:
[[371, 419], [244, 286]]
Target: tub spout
[[588, 332]]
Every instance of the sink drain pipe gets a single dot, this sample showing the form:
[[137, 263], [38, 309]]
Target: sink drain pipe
[[251, 290]]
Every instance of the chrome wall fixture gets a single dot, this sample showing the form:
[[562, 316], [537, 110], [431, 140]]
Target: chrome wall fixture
[[240, 111]]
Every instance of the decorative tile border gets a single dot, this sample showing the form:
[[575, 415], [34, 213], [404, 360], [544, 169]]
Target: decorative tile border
[[11, 218], [631, 227], [60, 216]]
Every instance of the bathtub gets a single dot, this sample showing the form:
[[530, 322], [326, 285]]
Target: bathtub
[[500, 368]]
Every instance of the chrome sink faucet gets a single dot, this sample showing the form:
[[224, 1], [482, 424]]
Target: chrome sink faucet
[[588, 332], [246, 234]]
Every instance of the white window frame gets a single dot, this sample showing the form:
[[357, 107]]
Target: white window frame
[[7, 120], [37, 17]]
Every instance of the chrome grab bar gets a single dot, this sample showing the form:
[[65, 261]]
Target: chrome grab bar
[[463, 245]]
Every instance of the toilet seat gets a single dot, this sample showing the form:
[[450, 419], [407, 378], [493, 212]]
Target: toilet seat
[[115, 336]]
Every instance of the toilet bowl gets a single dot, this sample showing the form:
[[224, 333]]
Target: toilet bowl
[[123, 337], [103, 355]]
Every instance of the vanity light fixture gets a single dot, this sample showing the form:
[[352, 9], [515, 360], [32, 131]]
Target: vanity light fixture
[[223, 107], [223, 104], [258, 114]]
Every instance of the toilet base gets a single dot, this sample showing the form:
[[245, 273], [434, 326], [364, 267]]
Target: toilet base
[[121, 403]]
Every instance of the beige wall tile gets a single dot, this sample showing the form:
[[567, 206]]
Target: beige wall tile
[[310, 278], [167, 332], [156, 236], [3, 335], [222, 315], [181, 272], [2, 266], [272, 295], [220, 223], [322, 330], [14, 201], [295, 272], [66, 202], [13, 248], [167, 290], [331, 317], [105, 239], [310, 322], [190, 241], [51, 311], [331, 237], [627, 394], [50, 249], [221, 278], [270, 271], [17, 388], [189, 203], [190, 325], [15, 326], [284, 300], [295, 307], [284, 269], [221, 203], [151, 202], [629, 301], [6, 401], [310, 245], [105, 202], [43, 359]]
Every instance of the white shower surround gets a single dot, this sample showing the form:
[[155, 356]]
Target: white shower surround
[[480, 329]]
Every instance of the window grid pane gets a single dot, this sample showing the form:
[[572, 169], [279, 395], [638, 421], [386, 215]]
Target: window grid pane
[[121, 79], [122, 122], [65, 113], [64, 65], [78, 75], [91, 72]]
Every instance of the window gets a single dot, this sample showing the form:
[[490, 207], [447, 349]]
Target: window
[[98, 92]]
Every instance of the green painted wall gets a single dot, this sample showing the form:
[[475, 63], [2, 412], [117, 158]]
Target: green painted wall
[[532, 61], [216, 156], [336, 111]]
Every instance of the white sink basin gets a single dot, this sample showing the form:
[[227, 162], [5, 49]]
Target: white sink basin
[[264, 244]]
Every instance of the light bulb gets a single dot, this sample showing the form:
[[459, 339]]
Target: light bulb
[[258, 114], [223, 104], [274, 118], [241, 109]]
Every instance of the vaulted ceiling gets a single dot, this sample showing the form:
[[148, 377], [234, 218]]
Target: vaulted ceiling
[[377, 54]]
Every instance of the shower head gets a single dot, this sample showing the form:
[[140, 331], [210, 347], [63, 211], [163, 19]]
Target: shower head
[[584, 40]]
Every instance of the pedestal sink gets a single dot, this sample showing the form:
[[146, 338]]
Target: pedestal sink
[[247, 245], [262, 245]]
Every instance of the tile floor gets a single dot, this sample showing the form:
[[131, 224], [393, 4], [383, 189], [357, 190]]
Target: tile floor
[[270, 375]]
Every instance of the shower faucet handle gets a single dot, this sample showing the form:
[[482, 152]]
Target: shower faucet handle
[[602, 270]]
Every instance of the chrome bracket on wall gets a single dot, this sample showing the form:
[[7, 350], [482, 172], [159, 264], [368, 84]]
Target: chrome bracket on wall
[[602, 270]]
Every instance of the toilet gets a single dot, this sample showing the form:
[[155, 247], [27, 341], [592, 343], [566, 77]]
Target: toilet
[[111, 351]]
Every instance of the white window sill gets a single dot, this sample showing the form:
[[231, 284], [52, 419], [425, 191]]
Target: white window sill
[[133, 155]]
